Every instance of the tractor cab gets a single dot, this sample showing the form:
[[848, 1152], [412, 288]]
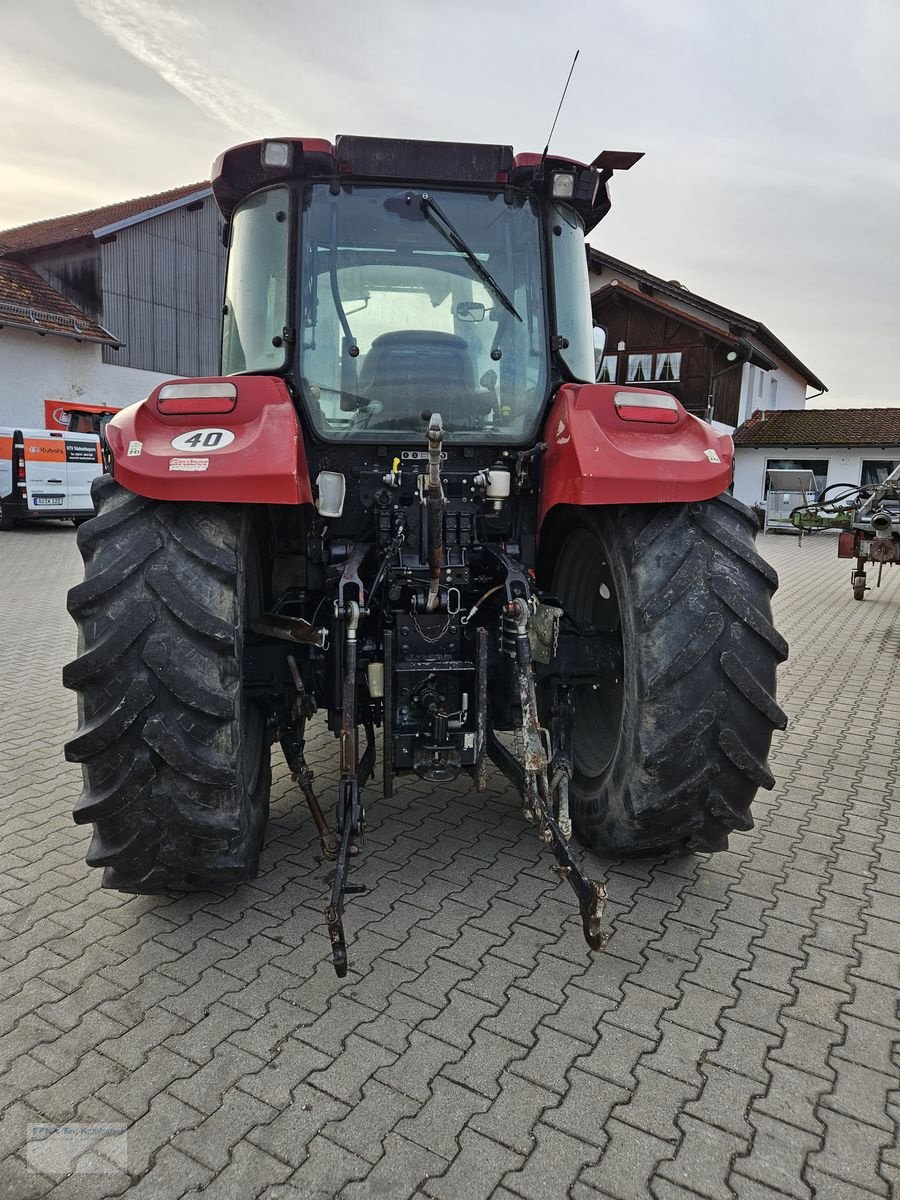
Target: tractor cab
[[385, 279]]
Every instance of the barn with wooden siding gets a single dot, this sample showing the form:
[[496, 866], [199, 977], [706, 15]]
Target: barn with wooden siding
[[100, 306], [719, 363]]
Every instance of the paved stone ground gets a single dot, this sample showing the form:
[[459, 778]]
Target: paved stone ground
[[739, 1038]]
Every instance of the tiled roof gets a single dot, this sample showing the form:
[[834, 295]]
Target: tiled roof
[[821, 427], [742, 325], [28, 302], [65, 229]]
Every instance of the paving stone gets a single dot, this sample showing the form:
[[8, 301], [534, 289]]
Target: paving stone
[[580, 1012], [630, 1158], [165, 1118], [827, 1187], [868, 1044], [679, 1052], [93, 1075], [851, 1152], [807, 1047], [439, 1122], [615, 1055], [862, 1093], [172, 1174], [132, 1093], [640, 1010], [287, 1135], [873, 1002], [554, 1156], [480, 1067], [699, 1008], [476, 1171], [403, 1169], [585, 1107], [725, 1100], [655, 1103], [778, 1156], [206, 1088], [62, 1052], [275, 1081], [414, 1070], [261, 1037], [704, 1158], [793, 1096], [519, 1017], [21, 1182], [456, 1021], [248, 1171], [541, 1065], [514, 1114]]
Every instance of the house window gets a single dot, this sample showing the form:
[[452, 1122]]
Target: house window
[[668, 366], [640, 368], [608, 368], [661, 367], [773, 393], [818, 466], [876, 470], [759, 386]]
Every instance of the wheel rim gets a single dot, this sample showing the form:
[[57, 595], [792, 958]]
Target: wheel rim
[[587, 589]]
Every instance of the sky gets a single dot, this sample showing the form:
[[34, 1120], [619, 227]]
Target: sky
[[771, 182]]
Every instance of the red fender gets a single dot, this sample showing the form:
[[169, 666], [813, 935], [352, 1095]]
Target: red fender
[[599, 452], [258, 458]]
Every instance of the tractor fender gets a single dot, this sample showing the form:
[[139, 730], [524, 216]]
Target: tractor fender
[[233, 440], [597, 455]]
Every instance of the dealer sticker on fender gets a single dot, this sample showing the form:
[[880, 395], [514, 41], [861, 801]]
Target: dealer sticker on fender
[[188, 464], [203, 439]]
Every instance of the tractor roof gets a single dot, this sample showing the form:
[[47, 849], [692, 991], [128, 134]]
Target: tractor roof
[[253, 165]]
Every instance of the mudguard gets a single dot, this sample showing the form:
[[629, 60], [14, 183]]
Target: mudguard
[[597, 455], [243, 445]]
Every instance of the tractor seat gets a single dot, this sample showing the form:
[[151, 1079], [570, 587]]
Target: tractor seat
[[411, 370]]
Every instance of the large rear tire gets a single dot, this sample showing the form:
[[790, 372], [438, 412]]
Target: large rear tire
[[671, 748], [175, 758]]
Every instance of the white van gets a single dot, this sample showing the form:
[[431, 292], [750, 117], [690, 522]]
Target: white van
[[45, 473]]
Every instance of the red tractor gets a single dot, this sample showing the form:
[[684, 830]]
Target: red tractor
[[406, 484]]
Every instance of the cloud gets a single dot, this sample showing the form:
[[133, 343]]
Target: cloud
[[181, 48]]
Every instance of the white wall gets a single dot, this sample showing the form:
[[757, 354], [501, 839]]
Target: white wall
[[789, 390], [35, 368], [844, 465]]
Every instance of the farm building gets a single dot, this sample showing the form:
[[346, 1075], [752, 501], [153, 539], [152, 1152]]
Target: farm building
[[102, 305]]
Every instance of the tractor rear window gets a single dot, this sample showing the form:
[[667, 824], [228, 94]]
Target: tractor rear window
[[417, 300], [255, 313]]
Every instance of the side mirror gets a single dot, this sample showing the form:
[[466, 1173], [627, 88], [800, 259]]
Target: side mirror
[[599, 348], [470, 310]]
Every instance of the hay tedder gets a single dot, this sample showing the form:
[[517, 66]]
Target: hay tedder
[[868, 517], [407, 503]]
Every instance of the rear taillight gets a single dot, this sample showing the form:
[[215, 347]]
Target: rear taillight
[[20, 473], [187, 399], [647, 406]]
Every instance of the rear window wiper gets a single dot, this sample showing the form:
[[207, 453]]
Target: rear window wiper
[[452, 234]]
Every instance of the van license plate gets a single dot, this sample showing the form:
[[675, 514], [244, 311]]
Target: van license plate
[[46, 501]]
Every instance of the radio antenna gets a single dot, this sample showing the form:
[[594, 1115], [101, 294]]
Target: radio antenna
[[540, 169]]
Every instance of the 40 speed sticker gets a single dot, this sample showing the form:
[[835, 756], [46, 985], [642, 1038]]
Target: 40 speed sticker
[[203, 439]]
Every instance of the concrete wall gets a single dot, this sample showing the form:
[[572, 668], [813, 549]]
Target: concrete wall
[[35, 368], [844, 465]]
